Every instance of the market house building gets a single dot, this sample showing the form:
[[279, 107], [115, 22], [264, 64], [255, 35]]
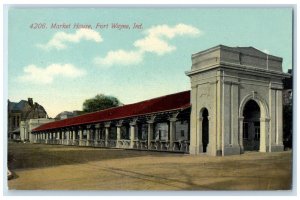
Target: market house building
[[234, 105]]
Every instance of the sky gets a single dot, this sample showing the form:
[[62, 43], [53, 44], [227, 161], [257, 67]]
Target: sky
[[58, 63]]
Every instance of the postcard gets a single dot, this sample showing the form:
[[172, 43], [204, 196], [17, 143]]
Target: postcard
[[149, 98]]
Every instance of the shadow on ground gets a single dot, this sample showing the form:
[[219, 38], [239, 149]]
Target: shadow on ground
[[22, 156]]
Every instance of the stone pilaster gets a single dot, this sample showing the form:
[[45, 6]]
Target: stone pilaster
[[241, 140], [194, 132], [264, 136], [279, 129]]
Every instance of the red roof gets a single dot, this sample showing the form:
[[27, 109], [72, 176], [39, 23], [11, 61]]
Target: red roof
[[170, 102]]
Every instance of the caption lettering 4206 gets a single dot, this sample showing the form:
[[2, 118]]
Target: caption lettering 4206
[[38, 26]]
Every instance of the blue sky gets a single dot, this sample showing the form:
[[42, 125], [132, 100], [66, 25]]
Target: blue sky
[[60, 68]]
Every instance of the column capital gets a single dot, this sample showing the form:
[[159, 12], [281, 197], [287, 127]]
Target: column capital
[[107, 124], [173, 119], [133, 121], [151, 119], [90, 126], [119, 123], [98, 125], [174, 115]]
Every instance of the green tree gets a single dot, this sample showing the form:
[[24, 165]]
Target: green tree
[[100, 102]]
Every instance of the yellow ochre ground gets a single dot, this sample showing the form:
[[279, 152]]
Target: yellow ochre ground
[[57, 167]]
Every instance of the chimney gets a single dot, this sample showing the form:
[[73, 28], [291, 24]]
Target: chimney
[[30, 101]]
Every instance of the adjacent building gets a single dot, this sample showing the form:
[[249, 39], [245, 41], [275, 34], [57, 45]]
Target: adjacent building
[[234, 105], [22, 111]]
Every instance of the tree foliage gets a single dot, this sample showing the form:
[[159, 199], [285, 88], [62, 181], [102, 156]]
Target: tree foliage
[[100, 102]]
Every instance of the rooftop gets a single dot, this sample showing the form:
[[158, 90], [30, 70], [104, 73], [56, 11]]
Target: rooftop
[[172, 102]]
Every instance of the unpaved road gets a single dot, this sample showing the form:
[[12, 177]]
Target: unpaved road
[[55, 167]]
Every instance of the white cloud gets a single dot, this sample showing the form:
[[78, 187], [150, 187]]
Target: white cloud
[[155, 41], [154, 45], [119, 57], [171, 32], [60, 38], [40, 75]]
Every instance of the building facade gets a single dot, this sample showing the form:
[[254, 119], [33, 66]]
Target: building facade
[[239, 92], [235, 105], [22, 111], [27, 126]]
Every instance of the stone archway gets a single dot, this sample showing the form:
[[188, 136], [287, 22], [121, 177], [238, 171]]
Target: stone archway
[[251, 126], [262, 119]]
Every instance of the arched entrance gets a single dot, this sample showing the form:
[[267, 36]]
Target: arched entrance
[[251, 126], [205, 129]]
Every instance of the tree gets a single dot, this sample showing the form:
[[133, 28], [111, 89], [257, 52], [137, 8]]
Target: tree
[[100, 102]]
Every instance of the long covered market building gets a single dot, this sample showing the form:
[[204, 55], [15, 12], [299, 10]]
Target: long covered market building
[[234, 105]]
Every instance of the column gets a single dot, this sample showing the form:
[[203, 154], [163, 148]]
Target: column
[[97, 130], [107, 125], [67, 136], [200, 142], [279, 129], [150, 132], [47, 137], [118, 135], [194, 121], [172, 132], [230, 118], [59, 136], [80, 135], [74, 136], [132, 133], [273, 111], [263, 145], [234, 115], [241, 126], [88, 136]]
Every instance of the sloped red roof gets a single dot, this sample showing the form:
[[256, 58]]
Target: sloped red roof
[[170, 102]]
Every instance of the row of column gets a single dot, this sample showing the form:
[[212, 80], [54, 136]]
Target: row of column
[[69, 135]]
